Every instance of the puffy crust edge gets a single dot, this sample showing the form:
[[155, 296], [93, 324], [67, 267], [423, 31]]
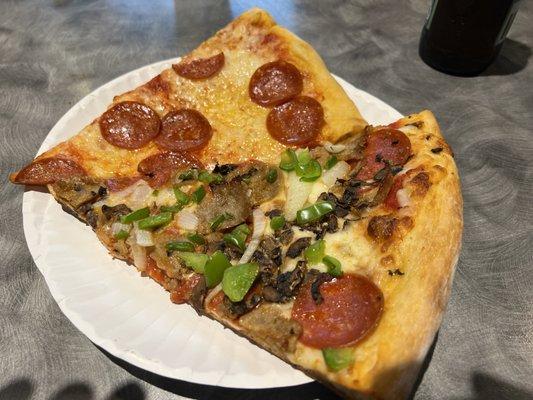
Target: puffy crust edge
[[416, 306]]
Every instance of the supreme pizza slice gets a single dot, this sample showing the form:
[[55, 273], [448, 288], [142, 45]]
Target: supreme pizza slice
[[246, 183]]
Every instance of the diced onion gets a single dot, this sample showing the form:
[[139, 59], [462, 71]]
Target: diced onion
[[403, 198], [317, 190], [338, 171], [135, 196], [259, 221], [139, 256], [297, 194], [118, 226], [334, 148], [143, 238], [187, 220]]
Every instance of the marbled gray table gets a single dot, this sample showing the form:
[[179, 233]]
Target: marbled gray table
[[54, 52]]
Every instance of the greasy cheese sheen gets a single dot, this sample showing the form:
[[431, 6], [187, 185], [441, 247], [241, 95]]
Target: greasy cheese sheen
[[239, 127]]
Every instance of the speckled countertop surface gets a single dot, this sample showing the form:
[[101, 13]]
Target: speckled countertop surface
[[54, 52]]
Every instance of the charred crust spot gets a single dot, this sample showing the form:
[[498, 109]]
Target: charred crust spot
[[421, 182], [382, 227], [437, 150], [396, 271], [428, 137]]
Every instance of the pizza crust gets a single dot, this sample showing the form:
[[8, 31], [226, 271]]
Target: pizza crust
[[388, 361]]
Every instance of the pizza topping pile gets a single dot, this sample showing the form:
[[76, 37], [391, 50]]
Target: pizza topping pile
[[190, 229], [227, 240]]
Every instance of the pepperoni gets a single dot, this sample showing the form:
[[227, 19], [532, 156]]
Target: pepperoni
[[121, 183], [275, 83], [296, 122], [350, 309], [184, 129], [184, 291], [158, 168], [47, 171], [385, 145], [201, 68], [129, 125]]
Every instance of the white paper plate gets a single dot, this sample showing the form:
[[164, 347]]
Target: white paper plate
[[132, 317]]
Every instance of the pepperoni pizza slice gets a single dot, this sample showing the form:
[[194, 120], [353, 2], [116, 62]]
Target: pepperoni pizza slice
[[245, 182]]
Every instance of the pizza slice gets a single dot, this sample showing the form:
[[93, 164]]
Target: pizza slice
[[245, 182]]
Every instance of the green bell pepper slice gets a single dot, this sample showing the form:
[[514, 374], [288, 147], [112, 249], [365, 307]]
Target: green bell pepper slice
[[238, 236], [289, 160], [189, 175], [334, 266], [315, 253], [198, 195], [122, 234], [338, 358], [135, 215], [277, 222], [272, 175], [238, 280], [314, 212], [309, 172], [195, 261], [180, 246], [207, 177], [181, 197], [218, 220], [303, 156], [196, 238], [215, 267], [155, 221], [331, 161]]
